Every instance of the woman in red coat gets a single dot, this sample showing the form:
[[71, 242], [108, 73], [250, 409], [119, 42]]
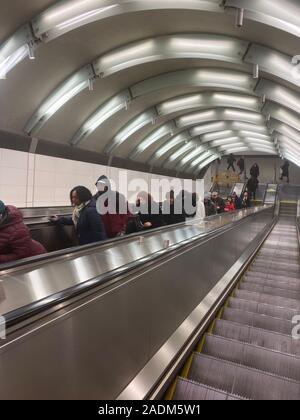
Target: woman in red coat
[[15, 240]]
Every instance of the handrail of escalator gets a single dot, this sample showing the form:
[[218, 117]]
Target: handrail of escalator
[[298, 220], [34, 308]]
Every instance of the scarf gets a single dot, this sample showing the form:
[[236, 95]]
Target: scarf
[[76, 212]]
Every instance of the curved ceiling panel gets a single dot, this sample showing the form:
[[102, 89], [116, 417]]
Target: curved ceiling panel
[[148, 117], [283, 15]]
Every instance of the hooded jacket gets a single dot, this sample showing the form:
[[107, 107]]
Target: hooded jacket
[[15, 240]]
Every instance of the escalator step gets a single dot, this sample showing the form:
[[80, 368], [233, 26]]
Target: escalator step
[[282, 266], [270, 270], [262, 338], [191, 391], [289, 284], [269, 299], [264, 322], [262, 308], [240, 380], [270, 277], [274, 291], [285, 365]]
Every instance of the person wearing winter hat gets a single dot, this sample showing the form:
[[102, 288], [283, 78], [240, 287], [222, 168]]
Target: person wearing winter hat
[[15, 239], [113, 208]]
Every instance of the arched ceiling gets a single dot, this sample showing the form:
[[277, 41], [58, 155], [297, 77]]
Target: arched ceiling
[[173, 84]]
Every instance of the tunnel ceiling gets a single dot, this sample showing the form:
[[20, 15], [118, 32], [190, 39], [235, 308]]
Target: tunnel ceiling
[[173, 84]]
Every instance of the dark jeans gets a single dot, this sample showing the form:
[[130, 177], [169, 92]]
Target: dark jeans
[[231, 166]]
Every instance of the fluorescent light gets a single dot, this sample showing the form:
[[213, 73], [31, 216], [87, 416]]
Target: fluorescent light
[[131, 128], [59, 97], [273, 62], [229, 140], [191, 155], [283, 114], [153, 137], [193, 119], [217, 135], [181, 151], [208, 128], [236, 125], [285, 130], [280, 94], [241, 115], [239, 100], [208, 161], [6, 65], [67, 15], [246, 133], [15, 49], [200, 159], [175, 141], [235, 145], [207, 77], [208, 100], [102, 114]]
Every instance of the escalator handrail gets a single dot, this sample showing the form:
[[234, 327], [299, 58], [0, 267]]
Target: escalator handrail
[[35, 308]]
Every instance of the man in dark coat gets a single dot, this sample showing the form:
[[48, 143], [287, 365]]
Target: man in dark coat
[[285, 171], [254, 171], [252, 186], [218, 202], [231, 159]]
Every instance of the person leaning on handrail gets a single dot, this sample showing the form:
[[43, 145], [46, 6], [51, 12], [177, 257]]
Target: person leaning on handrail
[[15, 240], [85, 219]]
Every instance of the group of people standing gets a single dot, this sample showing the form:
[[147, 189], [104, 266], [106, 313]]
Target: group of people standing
[[215, 204], [105, 215]]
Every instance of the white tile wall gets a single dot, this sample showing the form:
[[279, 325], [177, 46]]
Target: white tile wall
[[28, 180]]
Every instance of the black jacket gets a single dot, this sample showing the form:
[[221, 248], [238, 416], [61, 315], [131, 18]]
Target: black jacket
[[220, 204], [210, 209], [254, 171], [151, 216], [170, 216], [252, 184], [90, 227]]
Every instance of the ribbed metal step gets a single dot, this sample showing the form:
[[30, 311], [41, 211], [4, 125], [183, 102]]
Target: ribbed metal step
[[262, 308], [275, 291], [192, 391], [286, 266], [285, 365], [270, 252], [241, 380], [269, 299], [290, 284], [268, 276], [256, 336], [252, 319], [270, 270]]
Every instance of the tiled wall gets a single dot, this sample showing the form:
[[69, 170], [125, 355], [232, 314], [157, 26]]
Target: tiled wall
[[28, 180]]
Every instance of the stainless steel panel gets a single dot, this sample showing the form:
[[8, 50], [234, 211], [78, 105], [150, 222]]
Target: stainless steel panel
[[43, 280], [95, 348]]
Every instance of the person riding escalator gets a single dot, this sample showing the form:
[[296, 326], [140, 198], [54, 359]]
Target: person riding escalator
[[85, 219]]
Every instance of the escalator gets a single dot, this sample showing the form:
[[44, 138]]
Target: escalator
[[248, 351]]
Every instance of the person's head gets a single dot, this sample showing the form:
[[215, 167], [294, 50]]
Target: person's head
[[246, 195], [215, 195], [144, 197], [229, 200], [2, 210], [103, 184], [234, 195], [80, 195]]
